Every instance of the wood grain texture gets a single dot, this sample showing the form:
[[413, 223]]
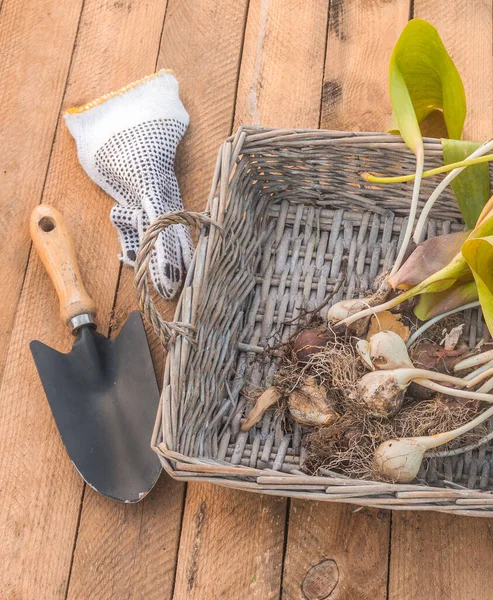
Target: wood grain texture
[[361, 37], [441, 556], [246, 562], [55, 248], [282, 64], [201, 43], [40, 492], [438, 556], [37, 38], [230, 546], [128, 551], [335, 552], [232, 542]]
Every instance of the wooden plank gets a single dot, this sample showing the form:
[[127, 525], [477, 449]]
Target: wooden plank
[[230, 546], [436, 556], [128, 551], [184, 44], [201, 43], [280, 79], [41, 492], [330, 550], [462, 543], [232, 542], [360, 41], [334, 551], [35, 36], [133, 563]]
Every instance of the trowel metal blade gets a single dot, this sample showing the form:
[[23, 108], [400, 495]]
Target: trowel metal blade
[[104, 398]]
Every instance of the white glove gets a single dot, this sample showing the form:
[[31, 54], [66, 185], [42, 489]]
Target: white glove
[[126, 142]]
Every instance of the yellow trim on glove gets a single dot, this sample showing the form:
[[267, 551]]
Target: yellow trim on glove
[[106, 97]]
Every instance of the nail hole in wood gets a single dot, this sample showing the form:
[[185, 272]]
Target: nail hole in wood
[[47, 224]]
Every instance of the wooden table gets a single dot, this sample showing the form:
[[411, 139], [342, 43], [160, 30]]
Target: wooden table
[[287, 63]]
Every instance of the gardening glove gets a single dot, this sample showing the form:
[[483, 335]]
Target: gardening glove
[[126, 143]]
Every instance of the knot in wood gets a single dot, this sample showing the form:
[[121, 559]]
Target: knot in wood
[[320, 581]]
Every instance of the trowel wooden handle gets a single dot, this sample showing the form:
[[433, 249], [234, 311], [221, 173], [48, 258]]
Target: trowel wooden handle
[[54, 244]]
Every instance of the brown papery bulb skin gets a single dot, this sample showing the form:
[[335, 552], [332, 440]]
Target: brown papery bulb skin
[[268, 398], [311, 341], [310, 406], [381, 396]]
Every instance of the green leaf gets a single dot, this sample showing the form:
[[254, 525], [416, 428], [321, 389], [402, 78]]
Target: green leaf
[[432, 304], [422, 79], [478, 253], [472, 186], [457, 271]]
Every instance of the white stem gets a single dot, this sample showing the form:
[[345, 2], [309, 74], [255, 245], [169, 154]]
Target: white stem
[[474, 361], [462, 449], [408, 375], [486, 387], [479, 377], [431, 322], [475, 373], [467, 394], [372, 310], [484, 149], [412, 213]]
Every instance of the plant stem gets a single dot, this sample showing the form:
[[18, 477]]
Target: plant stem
[[467, 162], [439, 189], [412, 214], [462, 449], [474, 361], [372, 310], [478, 378], [412, 373], [486, 387], [431, 322], [442, 389], [478, 371]]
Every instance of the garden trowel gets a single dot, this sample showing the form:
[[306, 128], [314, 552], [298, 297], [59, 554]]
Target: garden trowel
[[103, 394]]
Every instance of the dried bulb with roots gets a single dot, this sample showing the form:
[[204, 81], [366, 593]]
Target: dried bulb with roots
[[310, 405], [311, 341], [382, 392], [399, 460]]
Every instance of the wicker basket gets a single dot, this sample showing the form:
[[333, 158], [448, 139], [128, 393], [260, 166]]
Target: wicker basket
[[297, 223]]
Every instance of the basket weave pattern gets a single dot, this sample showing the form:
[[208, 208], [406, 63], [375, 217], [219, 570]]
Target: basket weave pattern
[[291, 221]]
